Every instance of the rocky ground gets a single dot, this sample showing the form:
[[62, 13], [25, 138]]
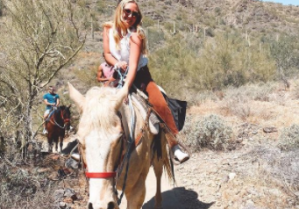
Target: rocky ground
[[244, 178]]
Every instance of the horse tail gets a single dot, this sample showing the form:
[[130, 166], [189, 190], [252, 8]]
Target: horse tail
[[161, 150]]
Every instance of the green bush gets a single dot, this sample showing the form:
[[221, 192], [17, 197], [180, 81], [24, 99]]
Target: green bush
[[155, 37], [211, 132], [1, 8], [188, 64], [289, 138], [147, 22]]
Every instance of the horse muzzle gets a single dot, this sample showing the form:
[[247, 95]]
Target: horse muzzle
[[110, 205]]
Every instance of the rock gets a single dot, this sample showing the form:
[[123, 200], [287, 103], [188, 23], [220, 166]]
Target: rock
[[70, 163], [53, 176], [68, 200], [43, 170], [231, 176], [58, 194], [69, 192], [62, 205], [269, 129]]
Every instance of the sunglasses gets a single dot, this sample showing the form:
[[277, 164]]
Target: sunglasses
[[129, 12]]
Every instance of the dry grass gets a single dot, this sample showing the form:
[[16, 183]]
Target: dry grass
[[266, 168]]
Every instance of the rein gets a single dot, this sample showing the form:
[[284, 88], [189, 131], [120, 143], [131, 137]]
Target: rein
[[64, 121]]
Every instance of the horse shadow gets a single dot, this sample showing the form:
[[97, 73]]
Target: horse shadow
[[179, 198]]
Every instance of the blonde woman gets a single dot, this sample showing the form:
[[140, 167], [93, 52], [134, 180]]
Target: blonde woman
[[125, 46]]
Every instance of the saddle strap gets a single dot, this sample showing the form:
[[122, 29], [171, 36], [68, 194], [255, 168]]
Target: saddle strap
[[144, 127]]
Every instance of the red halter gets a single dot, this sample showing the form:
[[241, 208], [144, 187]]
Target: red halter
[[99, 175], [102, 175]]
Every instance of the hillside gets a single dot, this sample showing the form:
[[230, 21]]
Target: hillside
[[199, 30]]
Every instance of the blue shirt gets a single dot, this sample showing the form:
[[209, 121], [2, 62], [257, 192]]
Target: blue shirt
[[51, 98]]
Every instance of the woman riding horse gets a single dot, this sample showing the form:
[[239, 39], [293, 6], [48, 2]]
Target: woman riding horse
[[125, 47]]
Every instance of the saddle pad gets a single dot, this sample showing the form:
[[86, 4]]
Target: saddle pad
[[142, 106]]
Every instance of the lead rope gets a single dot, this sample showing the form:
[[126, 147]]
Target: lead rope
[[132, 132]]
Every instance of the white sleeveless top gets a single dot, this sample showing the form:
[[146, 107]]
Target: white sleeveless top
[[124, 53]]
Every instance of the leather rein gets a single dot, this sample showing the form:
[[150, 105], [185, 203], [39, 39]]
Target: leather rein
[[65, 120]]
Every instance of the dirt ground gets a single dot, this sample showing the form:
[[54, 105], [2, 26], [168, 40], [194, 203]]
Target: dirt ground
[[216, 180]]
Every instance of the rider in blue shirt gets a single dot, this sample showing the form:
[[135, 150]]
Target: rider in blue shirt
[[51, 99]]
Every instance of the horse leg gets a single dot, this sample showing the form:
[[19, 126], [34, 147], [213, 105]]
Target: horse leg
[[56, 143], [50, 147], [158, 169], [137, 195], [61, 140], [61, 143], [50, 142]]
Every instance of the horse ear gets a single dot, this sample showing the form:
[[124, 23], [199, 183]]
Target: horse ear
[[77, 97], [121, 95]]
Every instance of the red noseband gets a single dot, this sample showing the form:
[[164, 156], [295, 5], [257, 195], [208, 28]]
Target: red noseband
[[101, 175]]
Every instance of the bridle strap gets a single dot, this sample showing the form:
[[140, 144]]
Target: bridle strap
[[64, 120], [104, 175]]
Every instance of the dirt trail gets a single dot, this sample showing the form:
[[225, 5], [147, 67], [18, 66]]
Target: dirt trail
[[170, 201]]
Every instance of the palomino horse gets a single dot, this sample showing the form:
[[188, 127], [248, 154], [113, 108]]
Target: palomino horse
[[103, 137], [57, 124]]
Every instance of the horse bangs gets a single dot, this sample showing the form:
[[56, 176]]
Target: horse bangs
[[99, 112]]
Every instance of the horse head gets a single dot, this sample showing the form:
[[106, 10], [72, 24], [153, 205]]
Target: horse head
[[65, 115], [100, 136]]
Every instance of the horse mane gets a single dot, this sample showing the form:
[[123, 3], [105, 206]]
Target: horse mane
[[99, 110], [63, 107]]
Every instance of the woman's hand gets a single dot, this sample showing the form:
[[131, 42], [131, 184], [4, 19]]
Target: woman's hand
[[122, 65]]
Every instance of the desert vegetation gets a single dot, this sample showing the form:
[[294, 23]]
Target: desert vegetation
[[236, 62]]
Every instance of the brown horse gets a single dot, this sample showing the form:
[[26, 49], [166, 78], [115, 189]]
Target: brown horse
[[103, 133], [56, 125]]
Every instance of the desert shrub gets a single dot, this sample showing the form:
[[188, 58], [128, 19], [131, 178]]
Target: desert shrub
[[257, 92], [211, 132], [155, 36], [289, 138], [147, 22], [1, 8], [210, 32], [285, 52], [187, 63], [168, 26], [18, 186]]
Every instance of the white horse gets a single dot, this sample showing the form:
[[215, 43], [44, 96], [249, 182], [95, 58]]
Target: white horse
[[103, 126]]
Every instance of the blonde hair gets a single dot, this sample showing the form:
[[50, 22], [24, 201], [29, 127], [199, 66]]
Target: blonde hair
[[119, 28]]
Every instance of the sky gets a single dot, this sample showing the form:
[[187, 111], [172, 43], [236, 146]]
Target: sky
[[285, 2]]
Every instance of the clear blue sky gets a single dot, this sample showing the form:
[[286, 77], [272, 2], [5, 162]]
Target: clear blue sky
[[285, 2]]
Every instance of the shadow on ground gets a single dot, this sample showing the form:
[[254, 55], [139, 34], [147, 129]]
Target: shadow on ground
[[179, 198]]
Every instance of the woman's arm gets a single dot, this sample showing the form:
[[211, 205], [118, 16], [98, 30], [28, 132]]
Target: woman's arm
[[135, 51], [109, 58], [107, 54]]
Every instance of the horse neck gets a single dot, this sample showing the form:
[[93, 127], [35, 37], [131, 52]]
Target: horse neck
[[57, 116], [139, 123]]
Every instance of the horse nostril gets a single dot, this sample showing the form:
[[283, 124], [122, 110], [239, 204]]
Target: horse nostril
[[90, 206], [110, 205]]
